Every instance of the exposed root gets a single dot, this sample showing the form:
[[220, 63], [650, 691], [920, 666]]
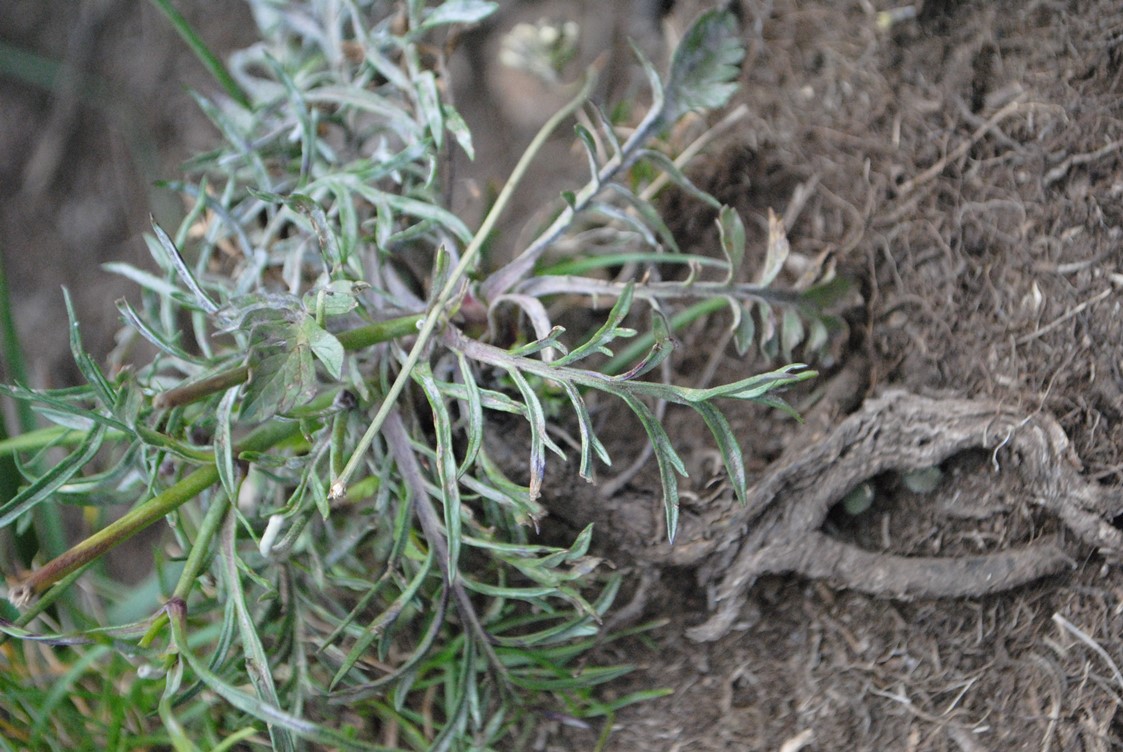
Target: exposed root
[[778, 530]]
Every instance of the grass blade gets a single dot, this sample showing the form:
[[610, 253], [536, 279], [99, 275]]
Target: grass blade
[[209, 60], [257, 662]]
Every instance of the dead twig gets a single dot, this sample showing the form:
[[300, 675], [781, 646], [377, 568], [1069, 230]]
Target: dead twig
[[1063, 318]]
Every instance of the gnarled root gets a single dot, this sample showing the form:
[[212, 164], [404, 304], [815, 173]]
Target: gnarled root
[[779, 529]]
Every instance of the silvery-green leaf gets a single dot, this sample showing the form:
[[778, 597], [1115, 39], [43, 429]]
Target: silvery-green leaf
[[705, 66], [324, 346], [650, 215], [155, 338], [744, 328], [539, 439], [663, 346], [791, 332], [224, 443], [460, 131], [88, 367], [446, 463], [325, 234], [458, 12], [608, 331], [666, 458], [589, 441], [173, 256], [42, 487], [752, 387], [728, 446], [429, 102], [474, 414], [731, 232], [627, 221], [590, 144], [678, 177]]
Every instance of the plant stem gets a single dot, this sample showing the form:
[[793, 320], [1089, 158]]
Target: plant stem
[[188, 393], [152, 510], [520, 267], [114, 534], [353, 339], [452, 286], [195, 560], [34, 440], [640, 345]]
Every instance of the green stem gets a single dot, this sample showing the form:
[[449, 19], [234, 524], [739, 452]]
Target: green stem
[[151, 511], [455, 279], [353, 339], [378, 332], [115, 533], [194, 564], [188, 393], [35, 440]]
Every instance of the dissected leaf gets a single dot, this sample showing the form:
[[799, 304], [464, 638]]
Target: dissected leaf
[[459, 130], [727, 445], [325, 234], [325, 346], [667, 167], [539, 439], [608, 331], [650, 216], [90, 370], [155, 338], [173, 256], [458, 12], [704, 68], [447, 471], [589, 441], [590, 144], [662, 348], [666, 458], [429, 103], [278, 382], [42, 487]]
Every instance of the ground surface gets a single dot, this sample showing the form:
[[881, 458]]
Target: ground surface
[[964, 169]]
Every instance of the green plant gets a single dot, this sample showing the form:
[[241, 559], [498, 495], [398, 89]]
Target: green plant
[[350, 562]]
